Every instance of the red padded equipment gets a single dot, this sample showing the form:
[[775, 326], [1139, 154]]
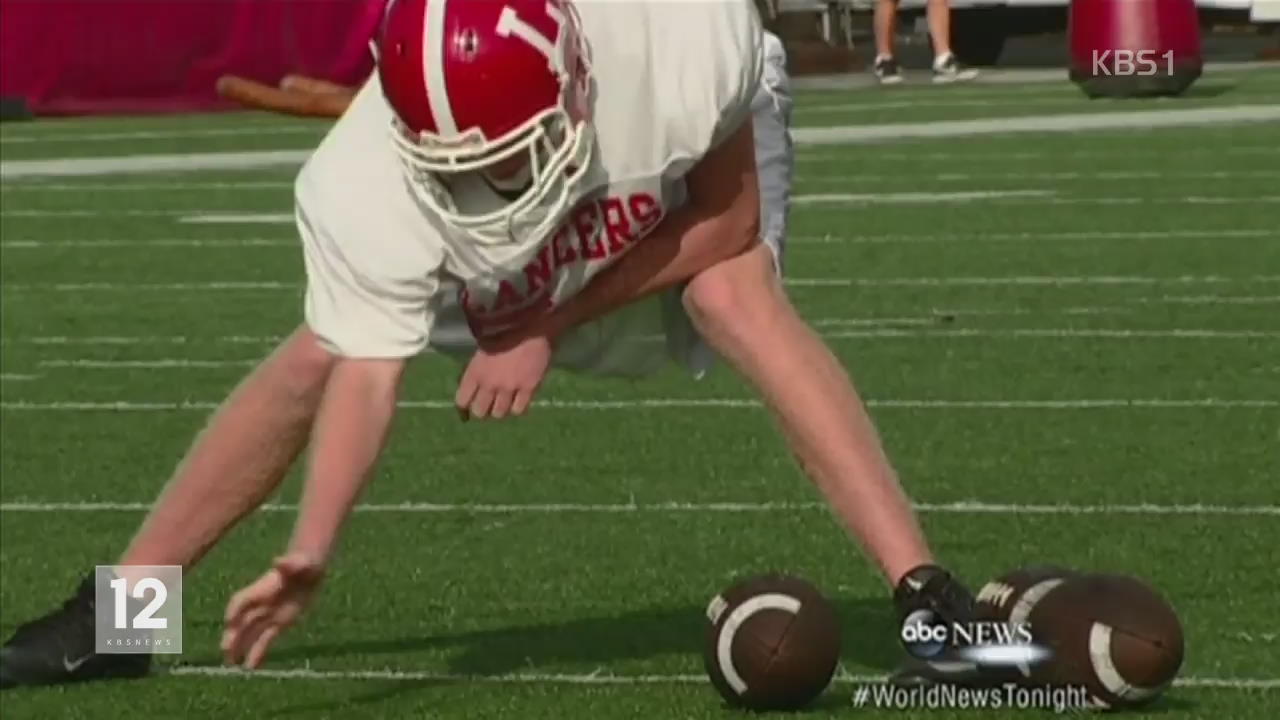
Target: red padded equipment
[[1134, 48]]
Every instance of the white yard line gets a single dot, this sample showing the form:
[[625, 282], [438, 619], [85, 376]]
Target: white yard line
[[995, 196], [1040, 236], [935, 197], [316, 130], [234, 285], [1125, 334], [18, 377], [1090, 175], [158, 242], [76, 340], [148, 187], [1214, 299], [804, 109], [290, 241], [821, 156], [180, 162], [701, 403], [155, 364], [216, 218], [595, 678], [1020, 197], [968, 507], [1070, 122]]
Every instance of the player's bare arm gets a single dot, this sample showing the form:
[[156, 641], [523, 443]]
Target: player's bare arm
[[719, 221], [350, 431]]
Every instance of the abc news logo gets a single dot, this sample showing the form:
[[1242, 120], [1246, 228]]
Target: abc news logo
[[1132, 62], [926, 635]]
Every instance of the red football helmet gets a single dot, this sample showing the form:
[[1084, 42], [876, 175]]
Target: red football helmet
[[475, 84]]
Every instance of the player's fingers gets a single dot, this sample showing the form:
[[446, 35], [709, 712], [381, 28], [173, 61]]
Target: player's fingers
[[233, 635], [245, 639], [502, 401], [482, 402], [520, 403], [241, 603], [258, 651], [467, 387]]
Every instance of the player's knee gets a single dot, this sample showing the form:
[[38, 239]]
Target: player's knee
[[305, 363]]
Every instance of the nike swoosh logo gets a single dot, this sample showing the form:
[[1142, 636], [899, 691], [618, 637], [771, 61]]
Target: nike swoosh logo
[[914, 584], [71, 666]]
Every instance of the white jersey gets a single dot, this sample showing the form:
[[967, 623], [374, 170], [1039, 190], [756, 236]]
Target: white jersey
[[386, 277]]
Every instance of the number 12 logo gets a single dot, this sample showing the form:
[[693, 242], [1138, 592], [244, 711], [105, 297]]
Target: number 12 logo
[[143, 620]]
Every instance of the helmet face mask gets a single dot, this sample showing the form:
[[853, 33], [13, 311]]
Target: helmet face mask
[[545, 135]]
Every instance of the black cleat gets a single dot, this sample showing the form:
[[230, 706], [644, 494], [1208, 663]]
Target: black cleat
[[59, 648], [929, 587], [934, 589]]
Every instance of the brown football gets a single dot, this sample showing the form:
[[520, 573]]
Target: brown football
[[1011, 597], [772, 643], [1113, 634]]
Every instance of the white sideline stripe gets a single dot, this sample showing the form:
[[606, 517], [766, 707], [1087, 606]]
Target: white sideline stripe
[[148, 187], [17, 377], [968, 507], [82, 166], [316, 129], [796, 282], [160, 242], [850, 134], [1071, 122], [664, 403], [1003, 237]]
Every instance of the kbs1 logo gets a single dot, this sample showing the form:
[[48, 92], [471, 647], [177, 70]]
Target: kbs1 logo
[[1122, 63], [926, 636]]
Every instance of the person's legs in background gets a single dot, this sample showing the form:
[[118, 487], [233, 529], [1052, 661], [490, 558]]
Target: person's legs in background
[[946, 68], [886, 24]]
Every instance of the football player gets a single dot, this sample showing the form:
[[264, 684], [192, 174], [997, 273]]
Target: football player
[[522, 184]]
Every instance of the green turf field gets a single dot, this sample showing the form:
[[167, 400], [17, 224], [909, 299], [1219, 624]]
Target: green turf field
[[1071, 342]]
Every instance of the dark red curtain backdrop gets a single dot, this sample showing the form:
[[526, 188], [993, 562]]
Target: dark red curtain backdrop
[[135, 56]]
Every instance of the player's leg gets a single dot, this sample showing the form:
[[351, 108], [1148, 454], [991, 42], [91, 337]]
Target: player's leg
[[239, 459], [938, 15], [741, 308], [946, 68], [885, 24]]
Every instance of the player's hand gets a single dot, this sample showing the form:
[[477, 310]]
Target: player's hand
[[503, 375], [261, 611]]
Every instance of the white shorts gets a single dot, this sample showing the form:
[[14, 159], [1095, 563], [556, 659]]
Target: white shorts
[[644, 336]]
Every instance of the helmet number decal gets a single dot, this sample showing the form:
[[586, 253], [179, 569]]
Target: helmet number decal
[[511, 24]]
